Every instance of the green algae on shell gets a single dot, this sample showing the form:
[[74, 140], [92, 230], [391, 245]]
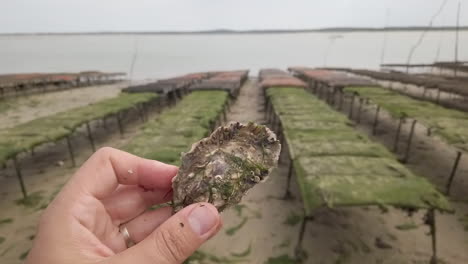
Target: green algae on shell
[[221, 168]]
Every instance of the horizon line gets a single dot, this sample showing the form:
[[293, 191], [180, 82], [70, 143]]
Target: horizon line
[[249, 31]]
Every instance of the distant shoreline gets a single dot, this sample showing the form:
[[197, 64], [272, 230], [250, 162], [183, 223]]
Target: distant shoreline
[[232, 32]]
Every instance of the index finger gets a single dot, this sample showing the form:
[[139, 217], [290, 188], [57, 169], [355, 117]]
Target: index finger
[[102, 173]]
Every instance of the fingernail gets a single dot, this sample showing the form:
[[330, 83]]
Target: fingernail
[[202, 219]]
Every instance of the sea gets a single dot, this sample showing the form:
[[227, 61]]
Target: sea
[[156, 56]]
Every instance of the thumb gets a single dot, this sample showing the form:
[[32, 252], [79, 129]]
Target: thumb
[[176, 239]]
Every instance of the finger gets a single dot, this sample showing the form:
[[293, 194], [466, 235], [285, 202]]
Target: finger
[[174, 240], [127, 202], [138, 228], [143, 225], [108, 167]]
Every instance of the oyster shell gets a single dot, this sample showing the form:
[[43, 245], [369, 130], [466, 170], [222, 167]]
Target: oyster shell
[[221, 168]]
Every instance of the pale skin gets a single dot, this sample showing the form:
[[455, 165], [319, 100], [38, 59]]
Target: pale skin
[[115, 188]]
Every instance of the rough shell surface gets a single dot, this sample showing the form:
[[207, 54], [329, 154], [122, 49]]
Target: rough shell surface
[[221, 168]]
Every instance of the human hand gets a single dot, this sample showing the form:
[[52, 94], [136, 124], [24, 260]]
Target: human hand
[[115, 188]]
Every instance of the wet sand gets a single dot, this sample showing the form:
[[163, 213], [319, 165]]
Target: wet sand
[[265, 228], [26, 108]]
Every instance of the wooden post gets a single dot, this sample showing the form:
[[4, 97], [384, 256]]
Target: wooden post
[[376, 120], [20, 177], [410, 140], [438, 96], [397, 135], [70, 150], [90, 137], [453, 173]]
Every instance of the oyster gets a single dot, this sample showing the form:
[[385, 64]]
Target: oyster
[[221, 168]]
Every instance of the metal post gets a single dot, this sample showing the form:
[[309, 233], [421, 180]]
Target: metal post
[[453, 173], [340, 106], [277, 126], [298, 250], [351, 107], [228, 104], [429, 131], [359, 111], [104, 123], [331, 98], [20, 177], [376, 120], [145, 112], [431, 222], [273, 119], [225, 114], [70, 150], [140, 111], [176, 98], [410, 140], [268, 113], [272, 113], [119, 122], [288, 195], [328, 90], [159, 104], [397, 135], [90, 137]]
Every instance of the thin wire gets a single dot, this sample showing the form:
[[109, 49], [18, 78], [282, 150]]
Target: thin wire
[[384, 44], [327, 52], [423, 34], [439, 46], [457, 38], [134, 59]]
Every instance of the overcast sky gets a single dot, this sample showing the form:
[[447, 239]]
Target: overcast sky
[[159, 15]]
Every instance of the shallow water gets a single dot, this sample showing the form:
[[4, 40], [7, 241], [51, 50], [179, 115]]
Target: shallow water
[[165, 55]]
